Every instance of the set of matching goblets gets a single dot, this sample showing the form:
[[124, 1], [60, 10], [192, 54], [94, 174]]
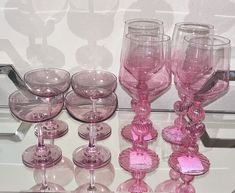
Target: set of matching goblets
[[200, 62], [92, 100]]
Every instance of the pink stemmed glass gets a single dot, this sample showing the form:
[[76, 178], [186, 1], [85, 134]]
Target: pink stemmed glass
[[144, 75], [30, 108], [92, 156], [203, 77], [49, 82], [93, 84], [175, 134]]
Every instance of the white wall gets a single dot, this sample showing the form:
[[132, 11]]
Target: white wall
[[86, 34]]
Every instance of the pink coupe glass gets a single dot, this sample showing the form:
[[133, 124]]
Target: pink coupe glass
[[93, 85], [49, 82], [30, 108], [144, 75], [202, 77], [175, 134]]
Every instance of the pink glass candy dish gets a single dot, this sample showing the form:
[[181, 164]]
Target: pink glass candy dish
[[31, 108], [49, 82], [94, 84], [82, 109]]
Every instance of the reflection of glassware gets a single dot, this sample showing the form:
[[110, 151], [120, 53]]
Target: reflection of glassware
[[45, 186], [104, 175], [94, 180], [61, 174], [94, 85], [145, 76], [49, 82], [135, 184], [31, 108], [175, 134], [202, 77], [92, 101], [170, 185]]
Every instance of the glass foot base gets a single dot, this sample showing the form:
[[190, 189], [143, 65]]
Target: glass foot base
[[103, 131], [173, 135], [134, 160], [99, 188], [51, 187], [168, 186], [46, 157], [130, 135], [132, 185], [91, 158], [53, 129]]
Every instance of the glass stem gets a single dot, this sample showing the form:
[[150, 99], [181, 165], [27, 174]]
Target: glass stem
[[44, 181], [40, 136], [92, 187], [92, 135]]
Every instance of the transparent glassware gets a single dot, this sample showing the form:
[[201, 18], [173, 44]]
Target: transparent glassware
[[144, 75], [49, 82], [94, 84], [45, 186], [30, 108], [176, 134], [203, 77], [91, 111]]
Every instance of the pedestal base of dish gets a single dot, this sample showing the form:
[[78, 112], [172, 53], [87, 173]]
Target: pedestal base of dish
[[103, 131], [42, 157], [50, 187], [130, 135], [91, 157]]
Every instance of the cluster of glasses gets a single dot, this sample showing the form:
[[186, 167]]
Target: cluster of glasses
[[200, 62], [92, 100]]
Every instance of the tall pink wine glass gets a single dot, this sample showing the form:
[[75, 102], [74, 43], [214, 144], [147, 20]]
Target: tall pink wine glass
[[144, 74], [49, 82], [30, 108], [94, 84], [203, 77], [175, 134]]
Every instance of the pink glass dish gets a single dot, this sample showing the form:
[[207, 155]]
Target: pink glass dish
[[30, 108]]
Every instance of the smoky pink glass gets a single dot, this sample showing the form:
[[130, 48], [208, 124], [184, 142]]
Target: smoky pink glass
[[49, 82], [144, 75], [94, 84], [175, 134], [30, 108]]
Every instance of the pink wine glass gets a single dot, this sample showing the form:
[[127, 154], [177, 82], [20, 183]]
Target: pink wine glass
[[175, 134], [203, 76], [30, 108], [94, 84], [144, 75], [83, 109], [49, 82]]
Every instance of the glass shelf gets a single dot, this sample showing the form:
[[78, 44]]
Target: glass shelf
[[14, 176]]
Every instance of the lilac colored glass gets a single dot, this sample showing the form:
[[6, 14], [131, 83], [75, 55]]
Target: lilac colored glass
[[82, 109], [94, 84], [49, 82], [30, 108], [176, 133], [144, 75]]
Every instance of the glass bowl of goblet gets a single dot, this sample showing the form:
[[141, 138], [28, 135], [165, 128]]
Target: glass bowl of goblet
[[30, 108], [49, 82], [82, 109], [94, 84]]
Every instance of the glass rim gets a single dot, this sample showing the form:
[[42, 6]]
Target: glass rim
[[223, 40], [205, 25], [154, 38], [153, 20]]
